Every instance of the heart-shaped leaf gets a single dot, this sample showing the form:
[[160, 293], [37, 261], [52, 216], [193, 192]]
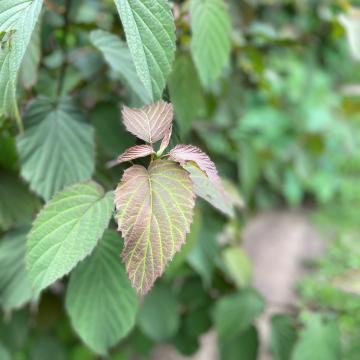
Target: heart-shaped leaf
[[150, 123], [154, 213]]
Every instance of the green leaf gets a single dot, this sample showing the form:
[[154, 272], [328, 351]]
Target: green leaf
[[28, 74], [283, 337], [249, 166], [247, 305], [154, 213], [318, 341], [8, 154], [159, 314], [198, 321], [351, 350], [45, 345], [112, 138], [57, 148], [185, 92], [15, 288], [117, 55], [292, 188], [237, 265], [100, 300], [4, 354], [244, 346], [66, 231], [192, 293], [210, 44], [150, 33], [184, 343], [234, 316], [14, 330], [208, 190], [17, 204], [139, 341], [205, 252], [17, 20]]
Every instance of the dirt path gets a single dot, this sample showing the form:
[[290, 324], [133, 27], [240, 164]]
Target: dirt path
[[279, 244]]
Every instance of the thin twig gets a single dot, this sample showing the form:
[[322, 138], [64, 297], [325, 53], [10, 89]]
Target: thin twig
[[19, 120], [58, 9], [64, 47]]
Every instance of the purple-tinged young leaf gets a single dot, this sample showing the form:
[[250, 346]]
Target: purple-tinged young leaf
[[184, 153], [135, 152], [149, 123], [165, 141], [154, 213]]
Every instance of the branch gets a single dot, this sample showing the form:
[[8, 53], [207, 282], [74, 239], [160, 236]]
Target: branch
[[64, 46], [54, 7]]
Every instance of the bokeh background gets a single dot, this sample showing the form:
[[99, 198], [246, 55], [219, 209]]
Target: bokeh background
[[281, 280]]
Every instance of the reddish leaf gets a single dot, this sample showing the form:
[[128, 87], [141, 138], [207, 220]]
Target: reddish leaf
[[165, 141], [135, 152], [154, 213], [184, 153], [150, 123]]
